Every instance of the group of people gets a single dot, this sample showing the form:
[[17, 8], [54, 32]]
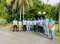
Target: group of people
[[45, 26]]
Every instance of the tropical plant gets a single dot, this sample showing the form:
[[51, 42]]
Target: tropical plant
[[3, 10], [22, 5], [11, 9]]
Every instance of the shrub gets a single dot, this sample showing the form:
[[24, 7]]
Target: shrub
[[3, 21]]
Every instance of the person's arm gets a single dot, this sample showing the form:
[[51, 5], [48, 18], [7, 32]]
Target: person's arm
[[51, 26], [48, 25]]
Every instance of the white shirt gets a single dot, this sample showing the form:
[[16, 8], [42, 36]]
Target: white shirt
[[28, 22], [20, 23], [24, 22], [46, 22], [40, 22], [31, 22], [14, 22], [34, 22]]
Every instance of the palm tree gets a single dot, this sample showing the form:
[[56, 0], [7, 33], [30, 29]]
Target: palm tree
[[22, 4], [8, 2]]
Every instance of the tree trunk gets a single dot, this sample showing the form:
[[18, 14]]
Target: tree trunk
[[20, 14], [59, 22], [23, 11]]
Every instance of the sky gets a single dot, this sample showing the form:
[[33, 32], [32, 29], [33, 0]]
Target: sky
[[52, 2]]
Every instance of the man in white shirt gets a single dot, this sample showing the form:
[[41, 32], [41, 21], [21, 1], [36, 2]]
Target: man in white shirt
[[28, 25], [41, 25], [38, 22], [15, 25], [51, 28], [24, 25], [31, 25], [34, 23]]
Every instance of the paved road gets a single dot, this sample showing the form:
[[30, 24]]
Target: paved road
[[9, 37]]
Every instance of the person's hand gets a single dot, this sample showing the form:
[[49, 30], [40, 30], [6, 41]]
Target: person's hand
[[49, 27]]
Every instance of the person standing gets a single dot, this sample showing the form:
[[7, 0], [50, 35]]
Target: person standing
[[34, 23], [38, 22], [28, 25], [24, 25], [15, 25], [45, 25], [51, 28], [31, 25], [20, 25], [41, 25]]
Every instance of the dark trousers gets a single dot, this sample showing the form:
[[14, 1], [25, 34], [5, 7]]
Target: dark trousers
[[34, 28], [24, 28], [15, 28], [40, 29]]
